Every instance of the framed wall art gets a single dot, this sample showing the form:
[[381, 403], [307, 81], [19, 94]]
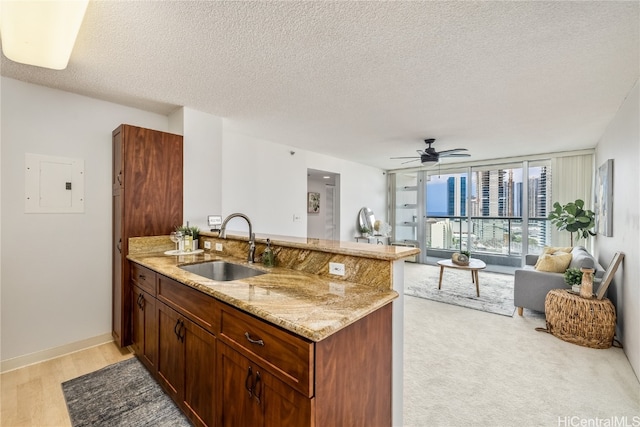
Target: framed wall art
[[604, 199], [608, 275], [313, 202]]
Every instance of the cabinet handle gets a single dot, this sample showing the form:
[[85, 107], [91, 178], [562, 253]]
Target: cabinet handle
[[252, 341], [247, 382], [119, 178], [140, 301], [257, 388], [181, 331], [142, 276], [119, 245], [175, 329]]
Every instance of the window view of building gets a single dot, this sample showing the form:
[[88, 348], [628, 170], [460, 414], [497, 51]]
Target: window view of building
[[482, 209]]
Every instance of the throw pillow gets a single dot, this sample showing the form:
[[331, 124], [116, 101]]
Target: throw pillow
[[552, 250], [557, 262]]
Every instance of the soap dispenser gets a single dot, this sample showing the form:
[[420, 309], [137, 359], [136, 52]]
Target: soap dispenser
[[268, 258]]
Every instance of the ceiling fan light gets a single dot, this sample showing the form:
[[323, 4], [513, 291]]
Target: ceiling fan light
[[40, 33], [428, 161]]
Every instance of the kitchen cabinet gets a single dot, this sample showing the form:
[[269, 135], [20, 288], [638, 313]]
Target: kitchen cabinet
[[226, 367], [144, 325], [186, 364], [344, 379], [144, 333], [251, 396], [147, 201]]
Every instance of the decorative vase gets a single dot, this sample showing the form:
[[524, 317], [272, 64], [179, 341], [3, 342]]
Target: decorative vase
[[586, 287]]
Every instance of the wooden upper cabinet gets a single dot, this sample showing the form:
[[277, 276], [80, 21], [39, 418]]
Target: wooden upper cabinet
[[152, 168], [147, 201]]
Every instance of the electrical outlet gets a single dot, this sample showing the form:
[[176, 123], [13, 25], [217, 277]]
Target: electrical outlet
[[336, 268], [207, 244], [219, 247]]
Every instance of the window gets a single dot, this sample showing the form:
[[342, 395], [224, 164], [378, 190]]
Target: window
[[494, 210]]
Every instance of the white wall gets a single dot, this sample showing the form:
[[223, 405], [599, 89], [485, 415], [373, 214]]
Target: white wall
[[202, 163], [56, 268], [265, 181], [360, 185], [621, 142]]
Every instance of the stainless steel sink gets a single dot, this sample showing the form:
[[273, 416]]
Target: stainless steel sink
[[221, 271]]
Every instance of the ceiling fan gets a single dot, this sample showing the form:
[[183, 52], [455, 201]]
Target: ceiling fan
[[431, 156]]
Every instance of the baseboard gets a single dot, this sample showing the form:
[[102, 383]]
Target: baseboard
[[52, 353]]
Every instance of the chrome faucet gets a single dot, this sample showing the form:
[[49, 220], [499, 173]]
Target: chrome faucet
[[252, 237]]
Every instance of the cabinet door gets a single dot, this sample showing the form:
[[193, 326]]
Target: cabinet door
[[200, 378], [118, 164], [251, 396], [284, 406], [237, 404], [186, 364], [171, 354], [119, 301], [144, 331]]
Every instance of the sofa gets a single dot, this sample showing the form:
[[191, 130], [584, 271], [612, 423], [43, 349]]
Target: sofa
[[531, 285]]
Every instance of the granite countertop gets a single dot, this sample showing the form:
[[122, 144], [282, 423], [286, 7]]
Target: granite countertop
[[382, 252], [309, 305]]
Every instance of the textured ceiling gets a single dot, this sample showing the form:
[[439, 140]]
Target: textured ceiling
[[365, 81]]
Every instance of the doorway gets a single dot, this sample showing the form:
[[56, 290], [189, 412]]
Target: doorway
[[324, 222]]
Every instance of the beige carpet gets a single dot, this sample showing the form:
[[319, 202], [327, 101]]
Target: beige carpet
[[465, 367]]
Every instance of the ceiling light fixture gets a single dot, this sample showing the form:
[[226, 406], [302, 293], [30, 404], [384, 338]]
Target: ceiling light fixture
[[40, 33]]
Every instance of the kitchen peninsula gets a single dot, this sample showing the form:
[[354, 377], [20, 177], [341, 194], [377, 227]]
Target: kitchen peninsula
[[294, 346]]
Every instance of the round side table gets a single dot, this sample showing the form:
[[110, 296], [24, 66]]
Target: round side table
[[588, 322]]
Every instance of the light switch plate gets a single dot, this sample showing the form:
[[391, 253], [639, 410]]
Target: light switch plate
[[214, 221]]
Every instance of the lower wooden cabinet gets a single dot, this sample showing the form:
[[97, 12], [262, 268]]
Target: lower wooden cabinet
[[226, 367], [253, 397], [144, 332], [186, 364]]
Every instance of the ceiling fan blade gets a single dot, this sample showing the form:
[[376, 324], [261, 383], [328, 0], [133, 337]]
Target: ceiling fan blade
[[453, 150], [409, 161], [408, 157], [455, 155]]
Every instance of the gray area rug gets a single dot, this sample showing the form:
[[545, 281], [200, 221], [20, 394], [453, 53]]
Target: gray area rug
[[496, 290], [122, 394]]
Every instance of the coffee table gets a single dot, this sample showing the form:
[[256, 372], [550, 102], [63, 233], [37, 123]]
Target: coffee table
[[474, 266]]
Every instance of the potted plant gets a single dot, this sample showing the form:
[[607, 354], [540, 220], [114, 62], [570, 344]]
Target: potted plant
[[195, 234], [364, 231], [574, 218], [191, 235], [573, 278]]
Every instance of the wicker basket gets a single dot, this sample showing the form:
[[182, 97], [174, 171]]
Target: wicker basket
[[583, 321]]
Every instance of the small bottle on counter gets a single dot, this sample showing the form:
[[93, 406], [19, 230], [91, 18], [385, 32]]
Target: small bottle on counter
[[188, 239], [268, 258]]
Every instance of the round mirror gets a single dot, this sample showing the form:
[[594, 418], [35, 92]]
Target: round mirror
[[366, 219]]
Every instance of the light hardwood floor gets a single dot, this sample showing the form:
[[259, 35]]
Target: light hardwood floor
[[32, 396]]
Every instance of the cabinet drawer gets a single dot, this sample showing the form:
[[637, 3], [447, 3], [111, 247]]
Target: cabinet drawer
[[195, 305], [289, 356], [144, 278]]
